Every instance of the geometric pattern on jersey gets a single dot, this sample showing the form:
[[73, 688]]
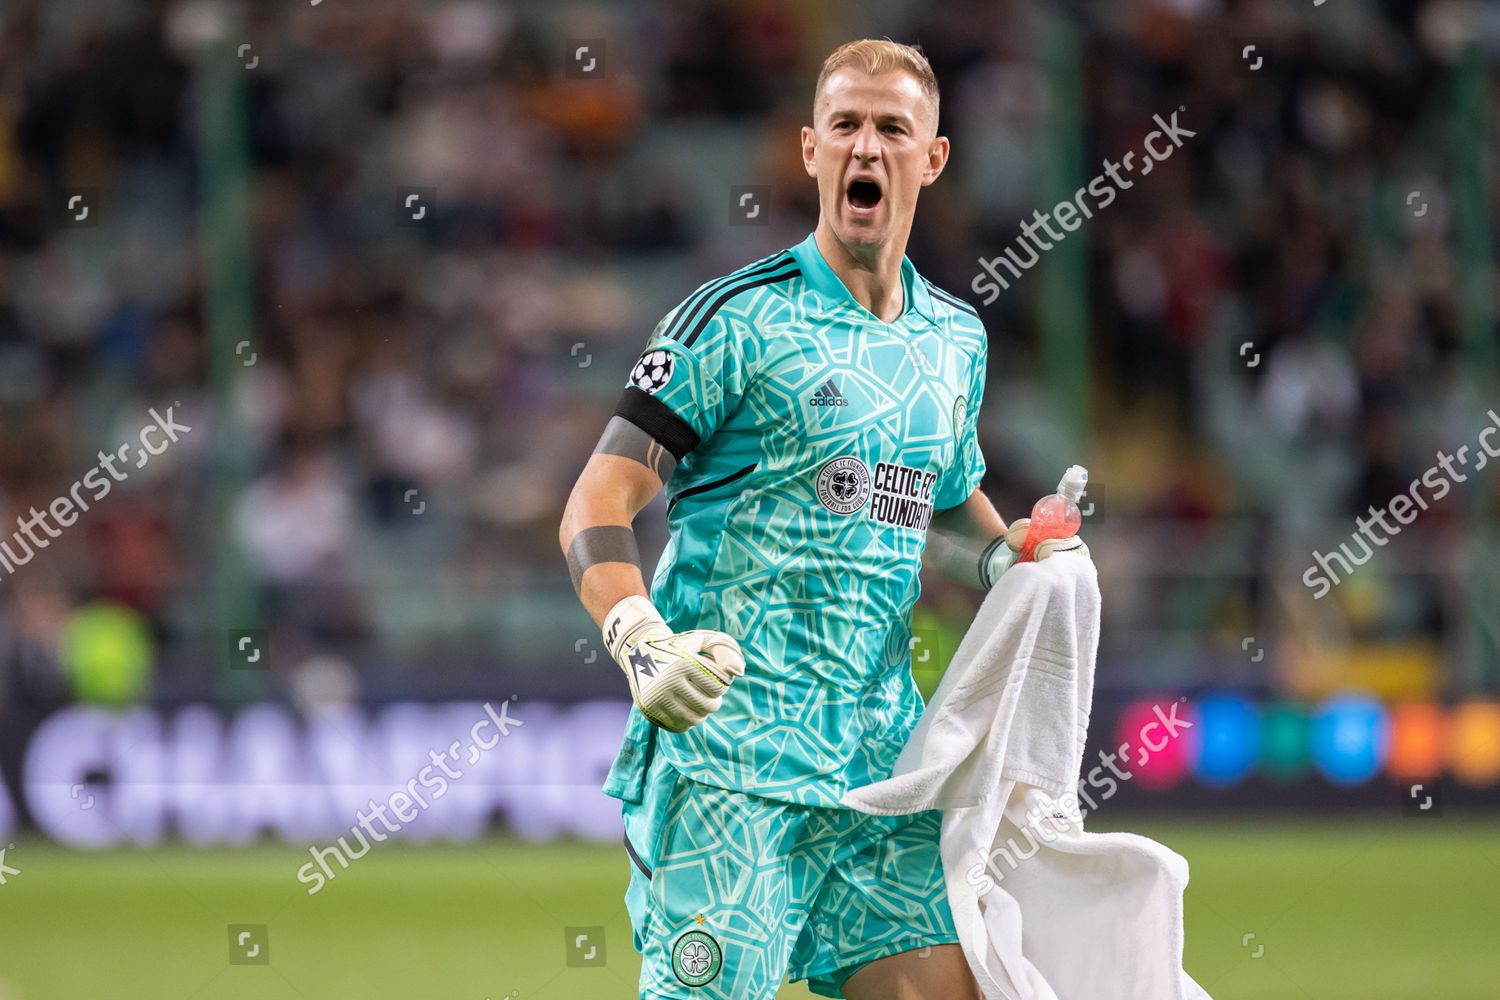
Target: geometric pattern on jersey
[[814, 444], [783, 890]]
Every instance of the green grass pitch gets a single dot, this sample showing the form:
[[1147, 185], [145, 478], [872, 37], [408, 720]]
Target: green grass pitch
[[1368, 909]]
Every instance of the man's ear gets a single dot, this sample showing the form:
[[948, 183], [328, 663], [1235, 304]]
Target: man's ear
[[937, 159], [809, 152]]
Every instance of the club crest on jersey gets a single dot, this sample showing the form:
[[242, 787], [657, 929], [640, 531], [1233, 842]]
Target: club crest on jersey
[[960, 414], [652, 372], [844, 484]]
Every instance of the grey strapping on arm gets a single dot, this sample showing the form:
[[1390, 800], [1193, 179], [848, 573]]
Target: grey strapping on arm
[[601, 544], [961, 558], [623, 438], [616, 542]]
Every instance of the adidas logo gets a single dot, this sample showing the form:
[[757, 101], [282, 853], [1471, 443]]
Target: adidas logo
[[828, 395]]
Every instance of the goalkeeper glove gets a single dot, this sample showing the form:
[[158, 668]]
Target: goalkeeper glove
[[1001, 557], [676, 679], [1015, 540]]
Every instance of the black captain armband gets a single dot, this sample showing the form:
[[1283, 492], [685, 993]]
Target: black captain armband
[[656, 419]]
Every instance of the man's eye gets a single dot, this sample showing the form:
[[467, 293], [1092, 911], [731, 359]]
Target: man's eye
[[895, 130]]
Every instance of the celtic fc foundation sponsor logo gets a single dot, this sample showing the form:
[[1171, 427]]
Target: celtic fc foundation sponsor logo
[[902, 495], [844, 484], [697, 958]]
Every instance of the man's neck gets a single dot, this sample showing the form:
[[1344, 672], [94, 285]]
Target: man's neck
[[873, 280]]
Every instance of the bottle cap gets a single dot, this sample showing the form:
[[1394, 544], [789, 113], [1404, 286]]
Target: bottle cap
[[1073, 482]]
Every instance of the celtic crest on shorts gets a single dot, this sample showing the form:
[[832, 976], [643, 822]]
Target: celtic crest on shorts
[[697, 958]]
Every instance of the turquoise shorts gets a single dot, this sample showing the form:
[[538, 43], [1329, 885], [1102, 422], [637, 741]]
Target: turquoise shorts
[[731, 892]]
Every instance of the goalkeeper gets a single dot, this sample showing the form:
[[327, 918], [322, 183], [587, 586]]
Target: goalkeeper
[[812, 418]]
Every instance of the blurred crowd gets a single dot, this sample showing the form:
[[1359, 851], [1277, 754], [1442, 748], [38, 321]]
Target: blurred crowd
[[392, 261]]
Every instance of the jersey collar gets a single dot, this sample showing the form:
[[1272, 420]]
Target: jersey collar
[[822, 279]]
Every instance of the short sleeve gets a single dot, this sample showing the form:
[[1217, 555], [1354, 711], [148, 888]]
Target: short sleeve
[[688, 380], [961, 479]]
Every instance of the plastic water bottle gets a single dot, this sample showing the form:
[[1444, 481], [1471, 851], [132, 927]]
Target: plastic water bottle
[[1056, 516]]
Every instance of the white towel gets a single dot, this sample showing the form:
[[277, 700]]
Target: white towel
[[1044, 911]]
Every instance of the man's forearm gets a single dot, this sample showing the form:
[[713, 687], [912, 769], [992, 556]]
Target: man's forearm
[[627, 469], [608, 584], [966, 544], [966, 559], [603, 560]]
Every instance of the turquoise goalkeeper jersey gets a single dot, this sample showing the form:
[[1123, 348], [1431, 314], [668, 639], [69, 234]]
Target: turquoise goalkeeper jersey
[[814, 444]]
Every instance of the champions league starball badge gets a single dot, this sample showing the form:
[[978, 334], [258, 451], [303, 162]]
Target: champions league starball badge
[[652, 372]]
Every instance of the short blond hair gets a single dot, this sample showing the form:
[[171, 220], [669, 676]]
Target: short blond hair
[[874, 56]]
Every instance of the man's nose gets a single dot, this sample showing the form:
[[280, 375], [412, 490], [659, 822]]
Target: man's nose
[[867, 143]]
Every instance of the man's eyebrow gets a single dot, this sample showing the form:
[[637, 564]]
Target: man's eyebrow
[[881, 116]]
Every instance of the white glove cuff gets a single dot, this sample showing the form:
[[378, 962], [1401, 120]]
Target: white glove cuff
[[999, 560], [627, 621]]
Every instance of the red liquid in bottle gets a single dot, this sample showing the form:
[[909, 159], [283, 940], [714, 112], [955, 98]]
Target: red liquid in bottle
[[1056, 516]]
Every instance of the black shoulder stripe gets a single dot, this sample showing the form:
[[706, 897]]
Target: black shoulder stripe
[[952, 300], [705, 487], [630, 850], [695, 302], [657, 419], [731, 292]]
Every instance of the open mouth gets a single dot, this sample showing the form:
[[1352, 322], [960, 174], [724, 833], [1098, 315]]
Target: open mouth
[[863, 195]]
